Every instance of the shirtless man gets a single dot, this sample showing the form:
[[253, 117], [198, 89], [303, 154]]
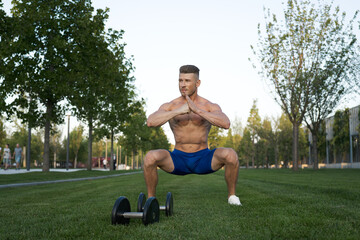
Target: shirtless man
[[191, 117]]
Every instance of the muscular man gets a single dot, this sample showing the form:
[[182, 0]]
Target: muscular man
[[191, 117]]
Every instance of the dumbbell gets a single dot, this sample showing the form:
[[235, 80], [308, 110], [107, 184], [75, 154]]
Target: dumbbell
[[168, 208], [121, 212]]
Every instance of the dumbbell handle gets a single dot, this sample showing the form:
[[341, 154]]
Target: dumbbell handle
[[161, 208], [131, 214]]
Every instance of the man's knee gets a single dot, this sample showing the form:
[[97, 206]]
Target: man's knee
[[231, 157], [150, 159]]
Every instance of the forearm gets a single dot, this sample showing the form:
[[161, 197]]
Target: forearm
[[218, 119], [159, 118]]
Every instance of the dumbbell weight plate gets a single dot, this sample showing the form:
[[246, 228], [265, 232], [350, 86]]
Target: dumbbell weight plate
[[141, 202], [169, 204], [151, 211], [121, 205]]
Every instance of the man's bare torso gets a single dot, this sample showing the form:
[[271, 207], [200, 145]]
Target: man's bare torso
[[190, 130]]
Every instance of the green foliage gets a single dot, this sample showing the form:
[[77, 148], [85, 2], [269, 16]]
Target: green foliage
[[285, 140], [216, 138], [254, 125], [245, 148], [2, 133], [158, 139], [306, 59], [341, 141]]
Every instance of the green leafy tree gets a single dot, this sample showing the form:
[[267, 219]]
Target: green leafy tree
[[267, 141], [2, 133], [43, 60], [245, 148], [118, 102], [76, 139], [285, 140], [333, 58], [6, 36], [215, 137], [136, 132], [341, 141], [253, 125], [300, 56], [158, 139]]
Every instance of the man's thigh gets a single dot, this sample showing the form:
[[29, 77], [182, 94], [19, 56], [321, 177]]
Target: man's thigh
[[163, 159], [219, 158]]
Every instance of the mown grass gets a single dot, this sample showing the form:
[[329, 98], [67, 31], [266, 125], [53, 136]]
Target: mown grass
[[277, 204], [49, 176]]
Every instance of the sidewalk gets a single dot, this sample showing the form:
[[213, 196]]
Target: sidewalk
[[23, 170]]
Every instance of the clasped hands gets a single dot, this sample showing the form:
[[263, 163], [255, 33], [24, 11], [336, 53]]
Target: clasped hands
[[189, 106]]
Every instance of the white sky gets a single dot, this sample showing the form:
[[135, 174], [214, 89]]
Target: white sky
[[214, 35]]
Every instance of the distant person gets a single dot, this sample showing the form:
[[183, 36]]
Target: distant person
[[18, 155], [191, 117], [7, 157], [105, 163]]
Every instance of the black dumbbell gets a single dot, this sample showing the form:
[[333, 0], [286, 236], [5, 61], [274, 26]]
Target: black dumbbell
[[168, 208], [121, 212]]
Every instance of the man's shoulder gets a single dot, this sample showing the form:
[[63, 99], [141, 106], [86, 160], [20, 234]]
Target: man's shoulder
[[173, 103], [210, 105]]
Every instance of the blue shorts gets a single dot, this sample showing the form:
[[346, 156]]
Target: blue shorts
[[197, 162], [18, 159]]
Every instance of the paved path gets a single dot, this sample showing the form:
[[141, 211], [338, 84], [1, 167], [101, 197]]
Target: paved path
[[65, 180], [23, 170]]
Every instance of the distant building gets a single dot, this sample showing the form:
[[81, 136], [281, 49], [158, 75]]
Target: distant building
[[353, 154]]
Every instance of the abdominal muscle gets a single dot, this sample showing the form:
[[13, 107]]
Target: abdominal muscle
[[190, 136]]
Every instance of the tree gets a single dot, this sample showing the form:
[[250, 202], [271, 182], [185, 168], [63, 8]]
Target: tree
[[136, 132], [2, 132], [103, 92], [334, 52], [76, 139], [119, 100], [296, 55], [215, 137], [253, 125], [43, 60], [158, 139], [267, 140], [6, 35], [285, 140], [341, 141], [245, 147], [276, 133]]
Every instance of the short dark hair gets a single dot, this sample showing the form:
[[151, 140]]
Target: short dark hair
[[190, 69]]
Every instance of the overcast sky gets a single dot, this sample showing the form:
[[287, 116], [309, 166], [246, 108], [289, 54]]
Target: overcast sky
[[214, 35]]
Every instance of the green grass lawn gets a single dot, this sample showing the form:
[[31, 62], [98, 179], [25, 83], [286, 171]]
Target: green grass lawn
[[277, 204], [49, 176]]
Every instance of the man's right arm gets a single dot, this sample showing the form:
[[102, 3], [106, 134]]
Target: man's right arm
[[164, 114]]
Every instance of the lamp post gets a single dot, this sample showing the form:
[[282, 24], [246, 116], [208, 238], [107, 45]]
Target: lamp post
[[68, 143], [28, 155]]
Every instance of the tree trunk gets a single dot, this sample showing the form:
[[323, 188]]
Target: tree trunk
[[253, 155], [112, 151], [75, 161], [46, 161], [315, 152], [89, 165], [295, 145], [276, 154]]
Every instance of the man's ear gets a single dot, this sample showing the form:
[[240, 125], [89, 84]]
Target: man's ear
[[198, 82]]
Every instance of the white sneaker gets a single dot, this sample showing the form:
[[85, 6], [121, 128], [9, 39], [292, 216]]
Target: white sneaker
[[234, 200]]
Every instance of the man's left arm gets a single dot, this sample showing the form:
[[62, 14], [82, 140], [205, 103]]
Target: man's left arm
[[215, 115]]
